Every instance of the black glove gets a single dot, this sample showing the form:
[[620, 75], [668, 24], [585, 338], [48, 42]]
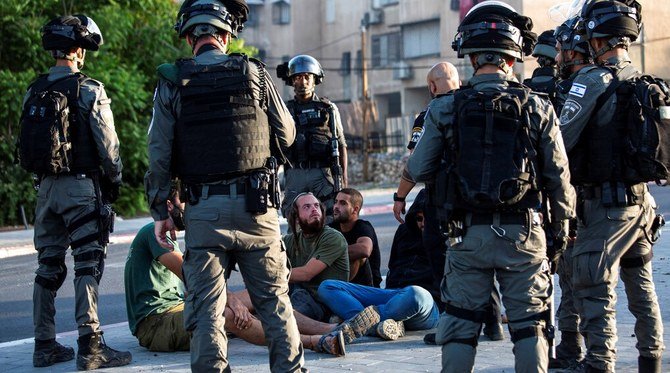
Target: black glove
[[559, 243], [109, 190]]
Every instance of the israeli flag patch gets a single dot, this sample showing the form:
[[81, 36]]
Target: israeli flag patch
[[578, 90]]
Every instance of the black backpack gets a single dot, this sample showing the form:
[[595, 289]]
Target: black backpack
[[44, 145], [492, 154]]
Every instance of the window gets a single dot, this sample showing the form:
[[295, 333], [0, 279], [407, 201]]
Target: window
[[330, 11], [358, 66], [376, 4], [254, 15], [281, 12], [421, 39], [385, 49], [345, 64]]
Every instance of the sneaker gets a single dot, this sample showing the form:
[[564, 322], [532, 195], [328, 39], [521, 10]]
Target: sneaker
[[429, 339], [50, 352], [94, 353], [332, 343], [359, 325], [494, 331], [390, 329]]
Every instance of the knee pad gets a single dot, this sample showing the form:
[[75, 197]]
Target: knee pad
[[636, 262], [528, 332], [96, 271], [55, 283], [478, 317]]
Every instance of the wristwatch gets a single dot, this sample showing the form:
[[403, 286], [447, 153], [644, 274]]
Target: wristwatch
[[397, 198]]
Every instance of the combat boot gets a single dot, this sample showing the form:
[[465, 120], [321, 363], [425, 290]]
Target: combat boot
[[49, 352], [94, 353], [568, 352], [648, 364], [359, 325], [494, 331]]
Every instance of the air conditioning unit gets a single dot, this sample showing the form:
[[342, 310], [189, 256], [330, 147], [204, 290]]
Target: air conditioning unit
[[402, 70], [375, 17]]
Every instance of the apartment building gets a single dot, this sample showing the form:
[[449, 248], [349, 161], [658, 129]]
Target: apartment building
[[403, 39]]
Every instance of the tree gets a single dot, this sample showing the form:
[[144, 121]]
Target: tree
[[138, 37]]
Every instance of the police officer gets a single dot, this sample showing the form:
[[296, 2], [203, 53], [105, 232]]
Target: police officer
[[69, 202], [506, 242], [612, 237], [545, 77], [318, 125], [214, 115], [573, 55]]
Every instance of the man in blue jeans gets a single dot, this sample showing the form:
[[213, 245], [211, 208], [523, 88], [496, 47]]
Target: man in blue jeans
[[385, 313]]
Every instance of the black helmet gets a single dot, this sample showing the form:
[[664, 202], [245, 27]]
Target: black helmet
[[546, 45], [571, 35], [605, 18], [66, 32], [494, 26], [304, 64], [224, 15]]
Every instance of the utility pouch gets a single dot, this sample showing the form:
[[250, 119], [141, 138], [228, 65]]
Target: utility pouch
[[257, 193], [107, 216], [656, 228]]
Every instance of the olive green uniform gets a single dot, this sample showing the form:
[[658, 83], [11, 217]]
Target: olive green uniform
[[312, 177], [517, 260], [64, 199], [219, 231], [611, 241]]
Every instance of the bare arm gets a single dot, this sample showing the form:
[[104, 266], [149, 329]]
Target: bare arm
[[308, 271], [362, 249], [173, 261]]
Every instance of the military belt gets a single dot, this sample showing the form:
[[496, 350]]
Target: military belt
[[220, 189], [304, 165], [518, 218], [617, 193]]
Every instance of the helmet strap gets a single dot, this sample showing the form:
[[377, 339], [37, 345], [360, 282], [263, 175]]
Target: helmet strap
[[613, 42], [492, 58]]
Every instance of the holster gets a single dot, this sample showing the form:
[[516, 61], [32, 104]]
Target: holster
[[256, 197]]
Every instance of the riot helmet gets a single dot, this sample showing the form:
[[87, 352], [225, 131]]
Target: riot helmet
[[208, 17], [496, 28], [545, 49], [67, 32], [617, 21], [571, 36], [304, 64]]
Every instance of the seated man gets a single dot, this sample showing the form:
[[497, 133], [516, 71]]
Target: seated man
[[155, 302], [409, 263], [316, 252], [364, 255], [382, 312]]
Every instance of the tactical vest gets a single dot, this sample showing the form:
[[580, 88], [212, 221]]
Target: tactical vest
[[313, 131], [544, 86], [83, 156], [491, 153], [223, 130]]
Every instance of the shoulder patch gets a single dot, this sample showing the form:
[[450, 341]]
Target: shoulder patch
[[578, 90], [169, 72]]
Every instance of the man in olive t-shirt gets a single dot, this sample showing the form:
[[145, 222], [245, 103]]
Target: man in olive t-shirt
[[316, 253]]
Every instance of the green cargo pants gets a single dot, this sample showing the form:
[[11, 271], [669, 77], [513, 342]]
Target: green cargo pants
[[518, 262], [218, 232], [604, 238], [164, 332], [62, 200]]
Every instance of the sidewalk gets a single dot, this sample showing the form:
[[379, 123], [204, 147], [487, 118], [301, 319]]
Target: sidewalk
[[408, 354]]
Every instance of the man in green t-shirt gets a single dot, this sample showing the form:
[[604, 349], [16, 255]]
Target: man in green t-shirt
[[316, 252], [155, 302]]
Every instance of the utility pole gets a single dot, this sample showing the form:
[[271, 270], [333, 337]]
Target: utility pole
[[366, 102]]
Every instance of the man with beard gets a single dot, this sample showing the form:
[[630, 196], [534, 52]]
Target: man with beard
[[364, 255], [155, 300], [316, 252]]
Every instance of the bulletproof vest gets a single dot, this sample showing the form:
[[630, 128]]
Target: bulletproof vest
[[313, 131], [222, 130], [539, 82], [634, 146], [74, 151], [491, 155]]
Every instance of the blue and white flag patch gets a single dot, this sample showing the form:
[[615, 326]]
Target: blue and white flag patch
[[578, 90]]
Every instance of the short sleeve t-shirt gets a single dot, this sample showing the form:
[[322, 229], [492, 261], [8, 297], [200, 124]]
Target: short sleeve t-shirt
[[151, 287], [329, 247], [370, 274]]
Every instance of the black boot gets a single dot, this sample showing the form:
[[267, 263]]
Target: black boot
[[93, 353], [648, 364], [568, 352], [494, 331], [49, 352]]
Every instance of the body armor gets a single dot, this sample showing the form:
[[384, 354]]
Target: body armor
[[313, 133], [223, 131]]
